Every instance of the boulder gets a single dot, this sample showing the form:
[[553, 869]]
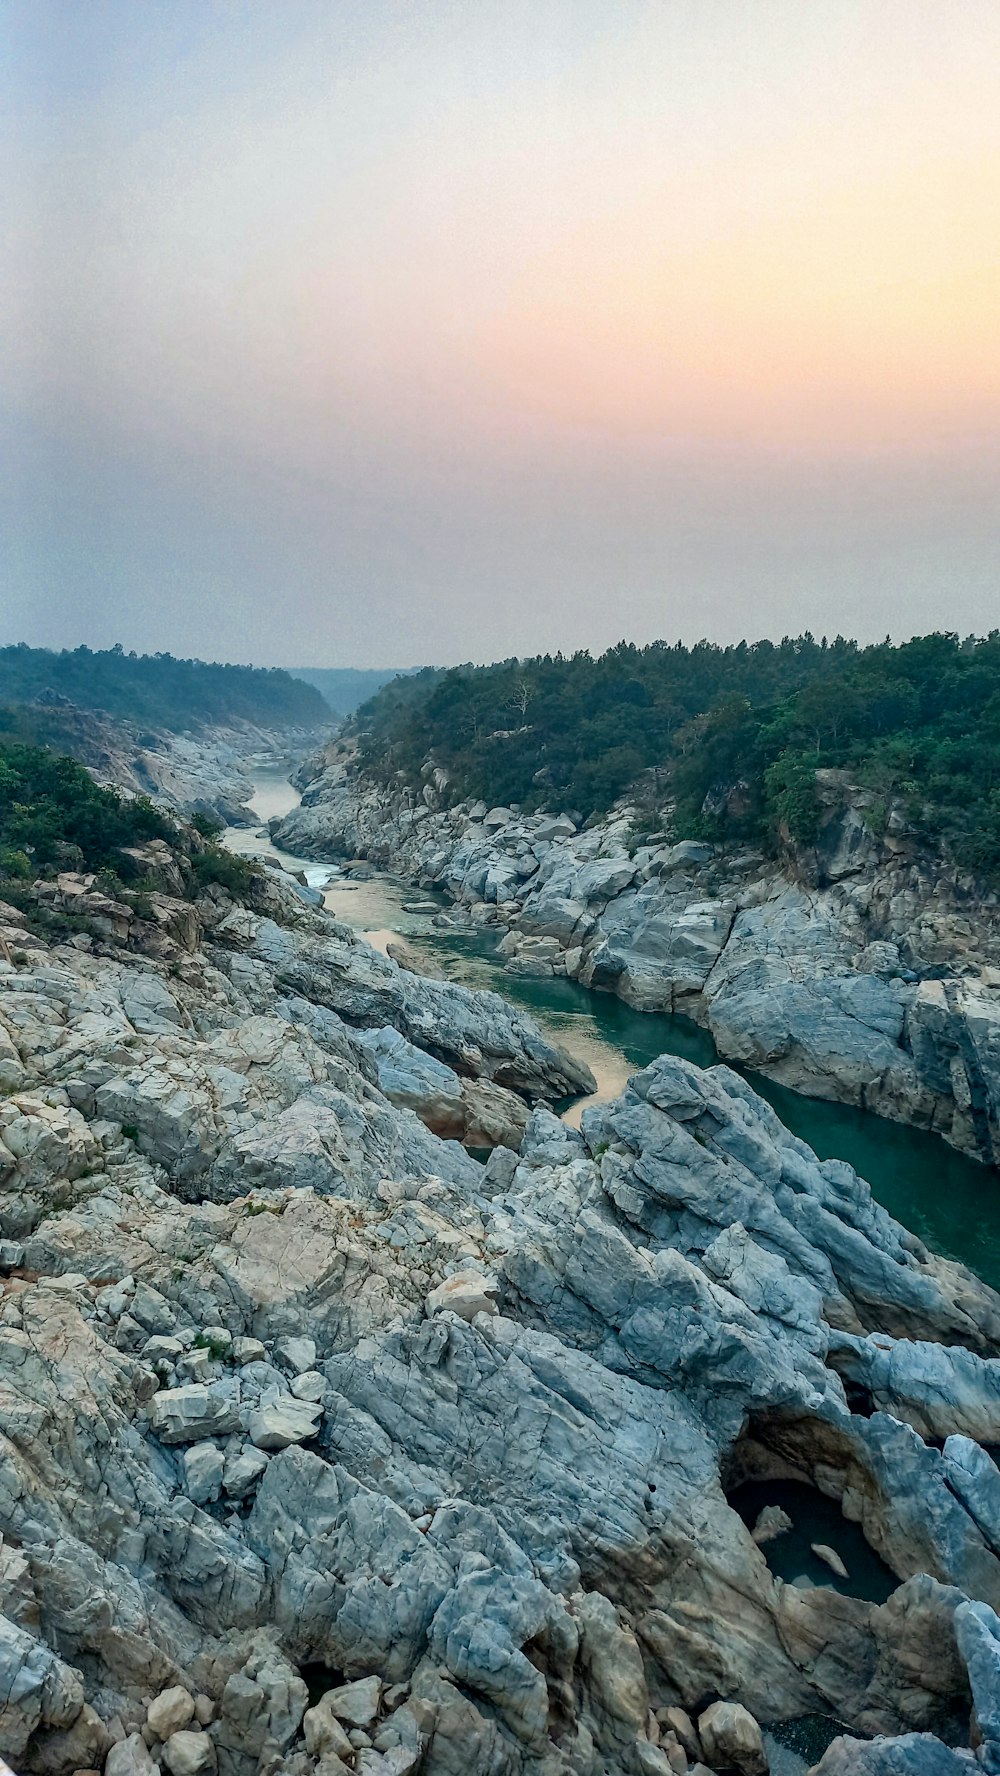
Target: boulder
[[323, 1732], [830, 1558], [771, 1522], [476, 1112], [310, 1385], [247, 1350], [553, 826], [189, 1753], [191, 1414], [260, 1711], [687, 854], [356, 1703], [170, 1711], [130, 1757], [242, 1472], [977, 1630], [467, 1294], [276, 1424], [202, 1464], [912, 1754], [297, 1354], [80, 1746], [731, 1739]]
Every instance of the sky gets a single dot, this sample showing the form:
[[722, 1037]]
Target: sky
[[397, 331]]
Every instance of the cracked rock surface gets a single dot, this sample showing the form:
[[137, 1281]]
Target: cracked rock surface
[[325, 1448]]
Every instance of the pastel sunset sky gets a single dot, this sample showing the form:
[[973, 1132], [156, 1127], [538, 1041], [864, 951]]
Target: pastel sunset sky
[[373, 332]]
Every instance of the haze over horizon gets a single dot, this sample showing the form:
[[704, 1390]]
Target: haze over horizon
[[382, 334]]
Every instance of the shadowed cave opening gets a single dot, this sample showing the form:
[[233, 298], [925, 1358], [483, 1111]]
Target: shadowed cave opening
[[318, 1678], [773, 1467]]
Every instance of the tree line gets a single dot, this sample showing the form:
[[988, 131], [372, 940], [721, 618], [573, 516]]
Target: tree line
[[730, 737], [158, 690]]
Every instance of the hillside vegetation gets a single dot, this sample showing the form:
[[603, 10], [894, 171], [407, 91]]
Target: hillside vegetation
[[52, 813], [53, 816], [159, 690], [732, 737]]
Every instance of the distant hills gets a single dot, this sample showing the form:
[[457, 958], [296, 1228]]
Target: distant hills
[[346, 687], [161, 691]]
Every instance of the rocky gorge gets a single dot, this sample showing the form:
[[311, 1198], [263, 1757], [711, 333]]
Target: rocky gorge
[[208, 769], [326, 1447], [872, 977]]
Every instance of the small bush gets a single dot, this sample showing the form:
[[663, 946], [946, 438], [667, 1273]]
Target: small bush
[[646, 821], [14, 863], [223, 869], [110, 884]]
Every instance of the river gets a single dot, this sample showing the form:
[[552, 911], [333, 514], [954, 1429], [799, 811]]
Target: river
[[948, 1200]]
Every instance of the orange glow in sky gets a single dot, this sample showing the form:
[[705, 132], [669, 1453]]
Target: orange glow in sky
[[446, 300]]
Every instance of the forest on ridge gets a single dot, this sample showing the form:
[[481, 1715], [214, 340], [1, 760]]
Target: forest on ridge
[[159, 689], [732, 737]]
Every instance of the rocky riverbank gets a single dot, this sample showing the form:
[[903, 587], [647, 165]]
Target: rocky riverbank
[[211, 772], [324, 1448], [876, 984], [208, 771]]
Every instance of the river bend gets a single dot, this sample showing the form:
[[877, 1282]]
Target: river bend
[[948, 1200]]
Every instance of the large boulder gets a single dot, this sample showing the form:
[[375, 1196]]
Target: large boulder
[[473, 1111], [191, 1414], [732, 1739], [913, 1754]]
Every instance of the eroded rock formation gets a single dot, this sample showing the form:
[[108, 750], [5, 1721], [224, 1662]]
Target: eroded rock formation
[[324, 1447]]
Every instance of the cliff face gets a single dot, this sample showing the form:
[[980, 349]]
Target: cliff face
[[208, 771], [865, 972], [324, 1448]]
